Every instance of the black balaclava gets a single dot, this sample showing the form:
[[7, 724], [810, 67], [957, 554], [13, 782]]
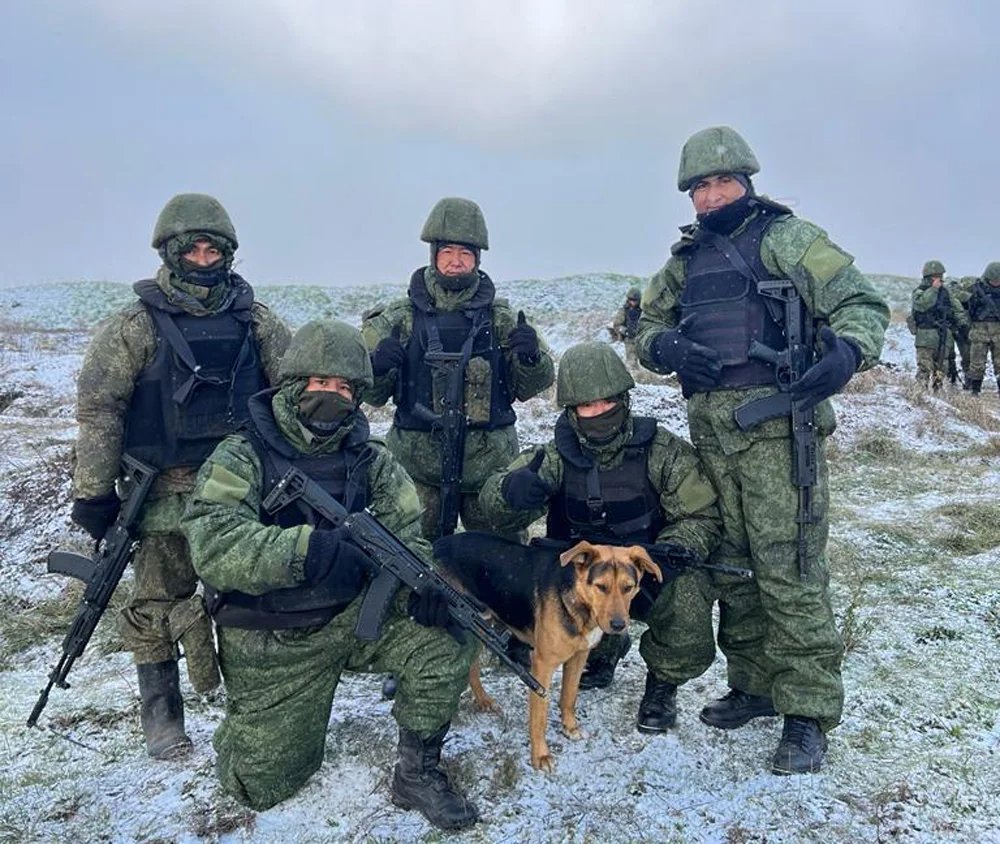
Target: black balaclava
[[603, 428], [727, 219], [324, 411], [172, 252]]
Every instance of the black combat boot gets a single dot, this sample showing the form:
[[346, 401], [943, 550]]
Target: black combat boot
[[418, 783], [736, 709], [602, 661], [658, 707], [162, 710], [975, 385], [801, 748]]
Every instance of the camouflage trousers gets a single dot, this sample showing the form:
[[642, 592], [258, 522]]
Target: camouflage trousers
[[470, 513], [776, 631], [929, 367], [280, 686], [984, 339], [164, 609]]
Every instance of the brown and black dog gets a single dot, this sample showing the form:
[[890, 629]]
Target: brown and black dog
[[560, 604]]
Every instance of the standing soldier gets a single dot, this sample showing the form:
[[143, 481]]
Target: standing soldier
[[609, 476], [984, 336], [287, 587], [763, 318], [960, 290], [625, 325], [453, 358], [936, 319], [164, 381]]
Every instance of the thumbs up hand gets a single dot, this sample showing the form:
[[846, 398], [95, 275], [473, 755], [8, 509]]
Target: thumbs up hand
[[523, 341], [389, 353], [524, 489]]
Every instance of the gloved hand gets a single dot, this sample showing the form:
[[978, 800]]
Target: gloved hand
[[697, 366], [523, 341], [430, 609], [524, 489], [334, 561], [96, 515], [389, 353], [830, 373]]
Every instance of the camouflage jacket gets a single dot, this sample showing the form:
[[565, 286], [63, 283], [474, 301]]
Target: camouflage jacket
[[832, 288], [231, 549], [122, 346], [938, 304], [687, 498]]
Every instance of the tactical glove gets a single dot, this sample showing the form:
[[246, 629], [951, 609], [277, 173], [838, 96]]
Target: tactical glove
[[830, 373], [430, 609], [389, 353], [524, 489], [96, 515], [698, 367], [523, 341], [335, 562]]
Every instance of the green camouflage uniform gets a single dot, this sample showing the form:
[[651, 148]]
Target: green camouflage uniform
[[938, 304], [984, 335], [280, 683], [960, 290], [778, 631], [620, 330], [163, 608], [485, 451]]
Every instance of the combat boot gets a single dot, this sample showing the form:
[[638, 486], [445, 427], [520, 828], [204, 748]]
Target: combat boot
[[602, 661], [801, 748], [162, 710], [736, 709], [419, 783], [658, 707], [975, 385]]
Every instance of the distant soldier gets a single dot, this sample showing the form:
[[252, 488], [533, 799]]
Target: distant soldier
[[960, 290], [984, 335], [936, 318], [454, 358], [165, 380], [625, 325]]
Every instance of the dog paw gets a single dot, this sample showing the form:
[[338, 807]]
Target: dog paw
[[574, 733], [543, 762], [489, 705]]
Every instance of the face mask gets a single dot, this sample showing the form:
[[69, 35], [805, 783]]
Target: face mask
[[605, 426], [210, 276], [323, 411], [727, 219]]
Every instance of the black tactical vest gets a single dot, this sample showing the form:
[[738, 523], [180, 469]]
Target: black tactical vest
[[343, 474], [730, 313], [984, 304], [617, 506], [632, 321], [937, 316], [195, 389], [448, 331]]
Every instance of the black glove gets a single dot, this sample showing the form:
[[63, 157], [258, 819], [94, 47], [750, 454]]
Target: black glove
[[430, 609], [523, 341], [96, 515], [336, 563], [830, 373], [697, 366], [388, 354], [523, 489]]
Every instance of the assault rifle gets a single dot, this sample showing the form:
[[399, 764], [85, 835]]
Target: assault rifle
[[101, 574], [397, 566], [790, 364]]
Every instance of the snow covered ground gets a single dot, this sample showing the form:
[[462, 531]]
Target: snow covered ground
[[914, 555]]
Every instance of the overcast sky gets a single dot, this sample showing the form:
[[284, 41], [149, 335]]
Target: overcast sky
[[328, 128]]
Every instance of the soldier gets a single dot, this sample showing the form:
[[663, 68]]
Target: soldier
[[984, 335], [936, 320], [960, 290], [609, 476], [700, 314], [625, 325], [451, 327], [165, 380], [286, 588]]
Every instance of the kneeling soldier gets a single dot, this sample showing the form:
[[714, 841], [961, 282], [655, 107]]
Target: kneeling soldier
[[286, 588]]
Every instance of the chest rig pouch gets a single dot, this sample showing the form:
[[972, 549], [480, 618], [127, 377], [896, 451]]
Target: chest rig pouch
[[730, 314], [343, 474], [617, 505], [196, 388]]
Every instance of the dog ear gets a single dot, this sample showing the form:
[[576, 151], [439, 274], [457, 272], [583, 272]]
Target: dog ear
[[581, 553], [640, 556]]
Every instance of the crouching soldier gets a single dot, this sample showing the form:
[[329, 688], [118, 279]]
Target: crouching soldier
[[611, 477], [286, 588]]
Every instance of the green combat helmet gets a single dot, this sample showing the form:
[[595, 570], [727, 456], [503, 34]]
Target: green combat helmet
[[718, 149], [588, 372], [193, 212], [932, 267], [634, 293], [456, 220], [327, 348], [992, 272]]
